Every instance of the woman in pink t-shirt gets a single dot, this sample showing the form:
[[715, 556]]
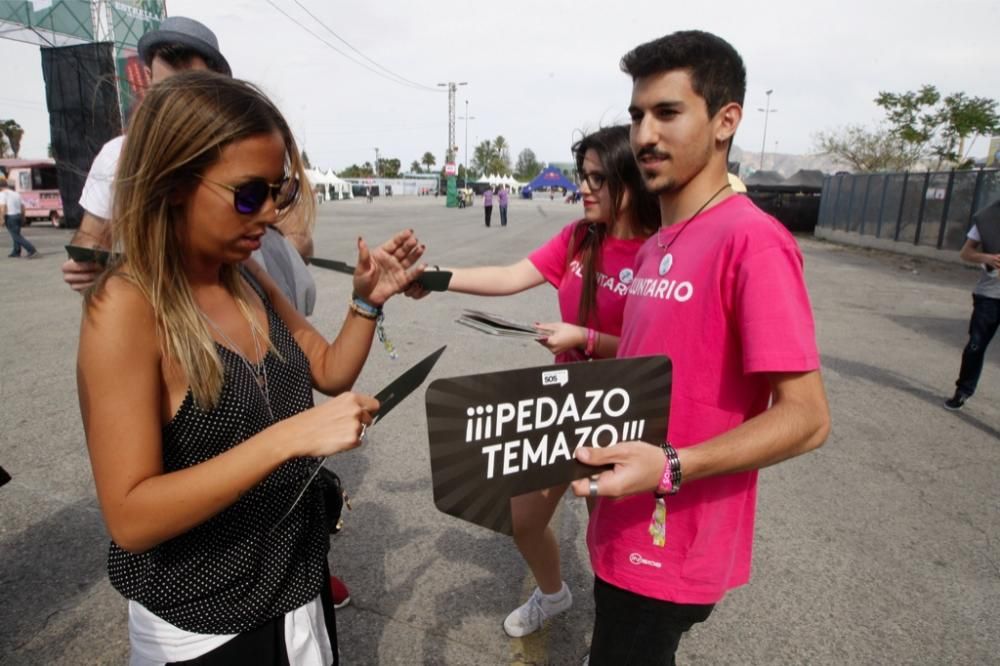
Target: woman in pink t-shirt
[[590, 262]]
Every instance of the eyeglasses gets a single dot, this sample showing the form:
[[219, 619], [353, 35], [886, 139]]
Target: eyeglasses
[[249, 197], [595, 181]]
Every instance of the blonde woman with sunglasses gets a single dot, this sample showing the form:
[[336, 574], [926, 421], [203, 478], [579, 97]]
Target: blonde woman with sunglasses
[[196, 379]]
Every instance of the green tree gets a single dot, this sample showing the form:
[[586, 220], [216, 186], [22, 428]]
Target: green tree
[[12, 132], [910, 115], [428, 160], [492, 157], [527, 165], [937, 126], [964, 118], [305, 160], [355, 171], [389, 168], [868, 150], [415, 166], [501, 163], [483, 156]]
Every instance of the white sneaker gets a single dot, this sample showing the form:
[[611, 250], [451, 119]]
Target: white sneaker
[[528, 619]]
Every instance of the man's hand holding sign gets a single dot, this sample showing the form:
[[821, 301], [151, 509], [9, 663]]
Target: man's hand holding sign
[[502, 434]]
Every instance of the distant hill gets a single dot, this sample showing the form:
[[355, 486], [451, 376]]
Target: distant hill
[[783, 163]]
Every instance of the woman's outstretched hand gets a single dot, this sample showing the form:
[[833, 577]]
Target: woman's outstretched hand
[[559, 336], [389, 268]]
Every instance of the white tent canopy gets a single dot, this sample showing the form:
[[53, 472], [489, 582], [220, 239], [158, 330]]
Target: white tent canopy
[[496, 179], [329, 184]]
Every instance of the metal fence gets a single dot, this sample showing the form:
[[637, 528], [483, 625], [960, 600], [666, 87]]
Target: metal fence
[[932, 209]]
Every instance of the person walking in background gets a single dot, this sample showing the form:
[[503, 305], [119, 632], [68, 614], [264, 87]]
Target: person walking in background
[[985, 307], [12, 209], [488, 204], [502, 200], [590, 264]]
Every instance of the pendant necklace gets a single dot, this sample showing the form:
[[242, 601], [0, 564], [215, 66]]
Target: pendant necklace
[[668, 259], [257, 370]]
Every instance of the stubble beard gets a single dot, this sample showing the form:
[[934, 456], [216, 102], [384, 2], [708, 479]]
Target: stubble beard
[[661, 186]]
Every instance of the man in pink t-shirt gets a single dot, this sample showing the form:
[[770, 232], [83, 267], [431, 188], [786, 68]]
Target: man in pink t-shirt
[[720, 290]]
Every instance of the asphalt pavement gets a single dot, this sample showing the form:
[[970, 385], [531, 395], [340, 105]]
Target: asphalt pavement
[[881, 547]]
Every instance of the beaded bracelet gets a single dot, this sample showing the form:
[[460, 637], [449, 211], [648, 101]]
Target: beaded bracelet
[[363, 308], [670, 482], [366, 310]]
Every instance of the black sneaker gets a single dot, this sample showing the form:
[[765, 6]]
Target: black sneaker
[[956, 402]]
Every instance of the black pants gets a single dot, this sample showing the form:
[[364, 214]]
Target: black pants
[[982, 327], [265, 645], [633, 630], [489, 214]]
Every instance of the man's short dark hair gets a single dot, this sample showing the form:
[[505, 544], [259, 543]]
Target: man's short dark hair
[[179, 56], [716, 69]]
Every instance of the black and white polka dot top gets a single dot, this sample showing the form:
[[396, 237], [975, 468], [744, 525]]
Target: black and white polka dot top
[[233, 573]]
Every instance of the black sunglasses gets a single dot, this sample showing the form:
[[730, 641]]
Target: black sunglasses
[[249, 197], [595, 181]]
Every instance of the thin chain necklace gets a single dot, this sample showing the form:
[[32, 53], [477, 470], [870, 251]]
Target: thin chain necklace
[[257, 370], [668, 259]]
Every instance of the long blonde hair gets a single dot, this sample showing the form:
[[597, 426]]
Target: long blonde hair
[[178, 131]]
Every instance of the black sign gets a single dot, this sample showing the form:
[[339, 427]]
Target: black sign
[[497, 435]]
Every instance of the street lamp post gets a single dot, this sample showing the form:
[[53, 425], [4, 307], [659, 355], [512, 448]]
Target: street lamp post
[[452, 87], [767, 110], [467, 118], [376, 162], [452, 188]]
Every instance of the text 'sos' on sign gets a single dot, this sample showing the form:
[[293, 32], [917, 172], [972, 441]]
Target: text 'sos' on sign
[[497, 435]]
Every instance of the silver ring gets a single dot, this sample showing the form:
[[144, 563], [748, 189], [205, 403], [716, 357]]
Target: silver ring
[[593, 486]]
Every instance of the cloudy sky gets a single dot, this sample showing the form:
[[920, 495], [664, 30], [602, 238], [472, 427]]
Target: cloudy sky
[[539, 73]]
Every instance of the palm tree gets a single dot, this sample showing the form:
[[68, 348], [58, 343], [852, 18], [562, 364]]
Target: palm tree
[[501, 164], [415, 167], [428, 160], [484, 157]]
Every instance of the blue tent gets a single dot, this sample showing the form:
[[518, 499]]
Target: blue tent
[[552, 177]]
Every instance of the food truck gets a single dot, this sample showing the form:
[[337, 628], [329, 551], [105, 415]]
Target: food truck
[[38, 184]]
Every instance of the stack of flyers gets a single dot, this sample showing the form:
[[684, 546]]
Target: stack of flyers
[[497, 325]]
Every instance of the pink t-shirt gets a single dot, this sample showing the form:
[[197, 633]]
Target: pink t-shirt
[[731, 306], [614, 274]]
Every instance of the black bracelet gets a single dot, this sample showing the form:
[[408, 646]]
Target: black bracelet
[[675, 467]]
